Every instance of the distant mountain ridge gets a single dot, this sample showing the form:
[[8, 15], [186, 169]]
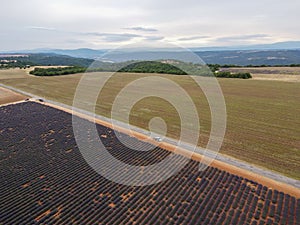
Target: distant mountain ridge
[[282, 53], [96, 53], [287, 45], [257, 58], [77, 53]]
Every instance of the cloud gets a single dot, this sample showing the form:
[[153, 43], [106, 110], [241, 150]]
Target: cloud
[[33, 24], [193, 38], [144, 29], [113, 37], [76, 41], [153, 38], [41, 28], [242, 37], [109, 37]]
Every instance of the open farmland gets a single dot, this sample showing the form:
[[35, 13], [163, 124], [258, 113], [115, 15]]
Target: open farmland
[[287, 74], [263, 116], [7, 96], [45, 180]]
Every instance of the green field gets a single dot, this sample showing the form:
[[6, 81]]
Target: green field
[[263, 116]]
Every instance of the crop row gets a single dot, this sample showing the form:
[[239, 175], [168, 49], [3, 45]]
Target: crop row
[[45, 180]]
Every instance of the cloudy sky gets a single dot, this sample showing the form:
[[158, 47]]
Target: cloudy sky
[[101, 24]]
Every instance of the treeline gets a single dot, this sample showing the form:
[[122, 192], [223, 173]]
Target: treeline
[[152, 67], [137, 67], [263, 65], [215, 67], [141, 67], [226, 74], [57, 71]]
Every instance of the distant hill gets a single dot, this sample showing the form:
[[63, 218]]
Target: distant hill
[[288, 45], [99, 53], [43, 59], [243, 58], [232, 57], [237, 57], [77, 53]]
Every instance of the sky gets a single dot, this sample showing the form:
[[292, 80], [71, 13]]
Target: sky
[[103, 24]]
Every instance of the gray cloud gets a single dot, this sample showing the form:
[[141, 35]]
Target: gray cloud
[[119, 37], [242, 37], [153, 38], [41, 28], [113, 37], [145, 29], [193, 38], [34, 24], [109, 37]]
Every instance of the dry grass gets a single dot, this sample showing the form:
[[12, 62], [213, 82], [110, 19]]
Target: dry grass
[[287, 74], [8, 96], [13, 73], [263, 116]]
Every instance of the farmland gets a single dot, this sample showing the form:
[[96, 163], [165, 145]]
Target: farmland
[[288, 74], [7, 96], [58, 187], [263, 116]]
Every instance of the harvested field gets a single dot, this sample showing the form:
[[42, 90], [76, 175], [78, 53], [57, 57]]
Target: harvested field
[[45, 180], [287, 74], [8, 96], [263, 123], [13, 73]]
